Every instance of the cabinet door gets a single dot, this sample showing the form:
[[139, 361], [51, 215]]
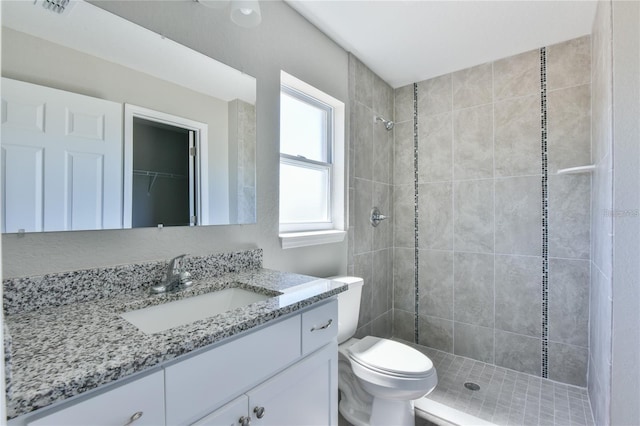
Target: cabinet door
[[115, 407], [227, 415], [304, 394]]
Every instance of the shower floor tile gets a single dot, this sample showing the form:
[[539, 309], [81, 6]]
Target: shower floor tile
[[506, 397]]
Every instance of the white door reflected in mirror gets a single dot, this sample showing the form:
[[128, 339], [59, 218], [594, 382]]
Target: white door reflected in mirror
[[92, 53]]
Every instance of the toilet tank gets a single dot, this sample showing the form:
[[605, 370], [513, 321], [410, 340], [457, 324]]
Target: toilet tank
[[348, 307]]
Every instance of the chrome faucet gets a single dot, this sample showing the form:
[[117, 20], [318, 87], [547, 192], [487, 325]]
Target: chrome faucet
[[175, 278]]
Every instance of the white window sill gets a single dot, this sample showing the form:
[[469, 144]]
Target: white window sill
[[302, 239]]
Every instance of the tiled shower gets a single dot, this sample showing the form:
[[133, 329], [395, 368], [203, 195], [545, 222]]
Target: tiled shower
[[489, 247], [484, 252]]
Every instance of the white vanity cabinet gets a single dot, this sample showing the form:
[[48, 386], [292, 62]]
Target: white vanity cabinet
[[303, 394], [271, 368], [140, 402], [284, 373]]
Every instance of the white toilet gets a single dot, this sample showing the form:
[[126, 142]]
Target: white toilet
[[378, 378]]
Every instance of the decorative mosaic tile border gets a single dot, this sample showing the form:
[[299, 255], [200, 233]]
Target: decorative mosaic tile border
[[26, 294], [545, 214], [416, 277]]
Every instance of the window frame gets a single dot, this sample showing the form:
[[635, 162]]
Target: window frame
[[310, 233]]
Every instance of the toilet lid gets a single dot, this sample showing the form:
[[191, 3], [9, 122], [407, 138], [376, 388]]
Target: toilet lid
[[389, 356]]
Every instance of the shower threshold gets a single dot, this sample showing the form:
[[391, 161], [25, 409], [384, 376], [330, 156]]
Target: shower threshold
[[505, 397]]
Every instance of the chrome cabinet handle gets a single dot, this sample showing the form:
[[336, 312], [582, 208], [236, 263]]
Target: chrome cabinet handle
[[259, 412], [327, 325], [245, 421], [133, 418]]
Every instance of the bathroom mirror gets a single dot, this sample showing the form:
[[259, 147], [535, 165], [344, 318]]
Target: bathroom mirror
[[107, 125]]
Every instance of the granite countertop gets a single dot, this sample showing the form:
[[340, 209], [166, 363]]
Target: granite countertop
[[59, 352]]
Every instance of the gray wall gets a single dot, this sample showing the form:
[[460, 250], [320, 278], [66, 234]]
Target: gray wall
[[625, 373], [370, 155], [601, 218], [261, 52], [480, 213], [614, 347]]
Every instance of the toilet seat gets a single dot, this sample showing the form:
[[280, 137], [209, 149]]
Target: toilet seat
[[390, 358]]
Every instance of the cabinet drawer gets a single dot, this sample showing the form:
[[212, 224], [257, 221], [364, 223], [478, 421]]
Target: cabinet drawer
[[196, 386], [319, 326], [115, 407]]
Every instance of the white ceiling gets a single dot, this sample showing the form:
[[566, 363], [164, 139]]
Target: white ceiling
[[94, 31], [410, 41]]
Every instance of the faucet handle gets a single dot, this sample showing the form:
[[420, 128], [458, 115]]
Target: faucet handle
[[175, 264]]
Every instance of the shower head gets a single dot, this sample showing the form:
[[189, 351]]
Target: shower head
[[388, 124]]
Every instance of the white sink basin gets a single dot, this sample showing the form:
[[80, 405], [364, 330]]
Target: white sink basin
[[154, 319]]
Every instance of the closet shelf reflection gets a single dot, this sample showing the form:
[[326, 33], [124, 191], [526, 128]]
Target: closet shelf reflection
[[154, 175]]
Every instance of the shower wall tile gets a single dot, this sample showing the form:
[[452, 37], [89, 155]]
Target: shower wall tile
[[601, 318], [436, 333], [569, 216], [363, 331], [518, 216], [351, 154], [371, 153], [517, 136], [568, 364], [351, 213], [403, 153], [383, 233], [569, 127], [517, 352], [403, 279], [363, 264], [474, 342], [403, 106], [601, 219], [473, 282], [472, 86], [569, 63], [363, 231], [403, 216], [435, 144], [403, 324], [382, 154], [517, 75], [436, 283], [363, 141], [473, 143], [382, 98], [600, 346], [363, 83], [569, 301], [473, 216], [435, 217], [519, 295], [382, 282], [382, 326], [434, 96]]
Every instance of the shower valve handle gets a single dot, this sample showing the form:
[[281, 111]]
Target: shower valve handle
[[376, 217]]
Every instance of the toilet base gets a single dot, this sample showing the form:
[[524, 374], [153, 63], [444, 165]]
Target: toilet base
[[387, 412]]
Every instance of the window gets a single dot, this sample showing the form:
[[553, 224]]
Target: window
[[311, 165]]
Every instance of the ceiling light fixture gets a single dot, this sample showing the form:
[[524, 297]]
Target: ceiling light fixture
[[245, 13]]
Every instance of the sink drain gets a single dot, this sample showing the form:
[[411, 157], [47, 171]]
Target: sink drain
[[472, 386]]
